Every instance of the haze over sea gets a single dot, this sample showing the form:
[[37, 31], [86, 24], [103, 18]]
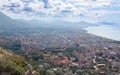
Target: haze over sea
[[107, 31]]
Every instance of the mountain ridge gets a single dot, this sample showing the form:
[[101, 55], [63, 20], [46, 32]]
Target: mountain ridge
[[8, 23]]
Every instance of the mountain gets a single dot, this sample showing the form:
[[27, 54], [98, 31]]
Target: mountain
[[83, 24], [10, 25], [107, 23], [59, 24], [6, 21]]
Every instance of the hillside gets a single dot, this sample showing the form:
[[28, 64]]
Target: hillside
[[11, 64]]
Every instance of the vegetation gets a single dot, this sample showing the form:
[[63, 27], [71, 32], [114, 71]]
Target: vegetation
[[11, 64]]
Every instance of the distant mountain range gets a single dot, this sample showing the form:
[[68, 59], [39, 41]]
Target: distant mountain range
[[107, 23], [9, 24]]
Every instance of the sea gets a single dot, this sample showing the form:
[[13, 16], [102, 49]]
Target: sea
[[107, 31]]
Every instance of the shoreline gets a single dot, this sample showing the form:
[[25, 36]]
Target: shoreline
[[105, 31]]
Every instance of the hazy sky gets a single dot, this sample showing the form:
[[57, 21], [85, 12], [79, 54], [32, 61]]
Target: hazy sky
[[90, 10]]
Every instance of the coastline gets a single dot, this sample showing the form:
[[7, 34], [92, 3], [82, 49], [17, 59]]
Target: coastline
[[105, 31]]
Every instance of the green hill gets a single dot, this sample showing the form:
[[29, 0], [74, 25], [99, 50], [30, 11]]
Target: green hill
[[11, 64]]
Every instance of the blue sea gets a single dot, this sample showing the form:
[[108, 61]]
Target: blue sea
[[107, 31]]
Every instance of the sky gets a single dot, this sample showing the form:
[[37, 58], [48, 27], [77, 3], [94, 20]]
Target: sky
[[71, 10]]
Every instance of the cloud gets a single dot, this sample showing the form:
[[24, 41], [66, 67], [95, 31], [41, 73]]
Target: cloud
[[58, 8]]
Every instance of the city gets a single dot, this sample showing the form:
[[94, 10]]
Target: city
[[68, 52]]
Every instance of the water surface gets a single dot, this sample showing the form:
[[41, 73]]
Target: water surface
[[107, 31]]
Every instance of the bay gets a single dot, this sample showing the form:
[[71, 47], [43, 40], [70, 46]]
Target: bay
[[107, 31]]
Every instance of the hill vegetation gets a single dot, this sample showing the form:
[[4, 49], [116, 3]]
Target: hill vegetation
[[11, 64]]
